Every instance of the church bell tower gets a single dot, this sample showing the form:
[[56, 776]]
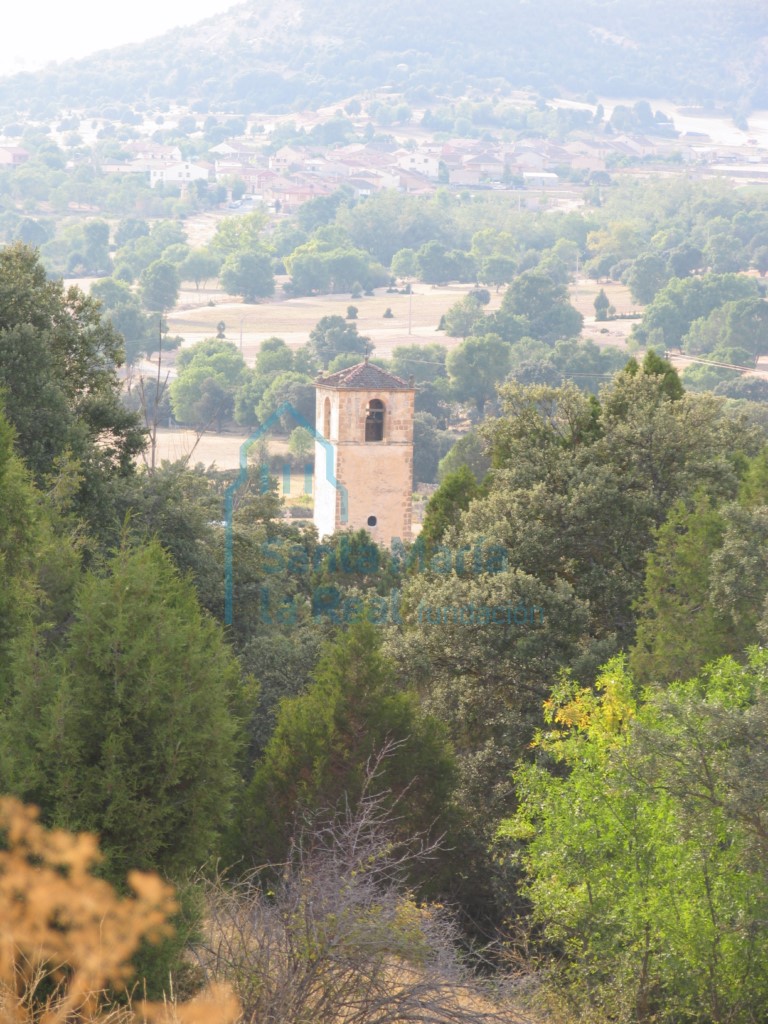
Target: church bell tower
[[364, 470]]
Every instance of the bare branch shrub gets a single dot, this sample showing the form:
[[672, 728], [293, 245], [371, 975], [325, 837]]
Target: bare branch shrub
[[337, 936]]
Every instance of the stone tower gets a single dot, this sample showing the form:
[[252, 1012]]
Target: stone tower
[[364, 474]]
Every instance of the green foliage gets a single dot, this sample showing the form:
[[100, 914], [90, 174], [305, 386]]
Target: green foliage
[[647, 276], [57, 372], [328, 266], [236, 236], [199, 266], [476, 366], [544, 305], [159, 286], [389, 223], [587, 364], [248, 274], [140, 249], [469, 451], [404, 263], [296, 389], [301, 445], [463, 317], [644, 864], [130, 227], [682, 301], [326, 738], [483, 678], [654, 365], [497, 270], [321, 210], [602, 304], [589, 478], [178, 506], [430, 444], [343, 360], [333, 335], [274, 356], [753, 488], [454, 495], [21, 549], [425, 363], [680, 630], [136, 732], [704, 377], [209, 374], [79, 249], [436, 264], [740, 324], [140, 332]]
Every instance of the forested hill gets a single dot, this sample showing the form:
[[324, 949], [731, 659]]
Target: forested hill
[[278, 55]]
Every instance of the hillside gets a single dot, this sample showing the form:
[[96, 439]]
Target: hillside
[[266, 56]]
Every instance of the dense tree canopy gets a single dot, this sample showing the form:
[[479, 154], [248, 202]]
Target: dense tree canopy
[[327, 739], [655, 894], [248, 274], [332, 336], [136, 732], [208, 376], [57, 371]]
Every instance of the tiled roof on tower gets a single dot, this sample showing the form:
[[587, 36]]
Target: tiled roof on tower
[[364, 376]]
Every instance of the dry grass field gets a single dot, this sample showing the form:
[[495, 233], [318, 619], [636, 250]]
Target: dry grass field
[[221, 451], [583, 293], [414, 320]]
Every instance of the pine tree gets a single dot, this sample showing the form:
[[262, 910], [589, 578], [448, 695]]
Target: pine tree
[[138, 740], [325, 740], [602, 305], [679, 629]]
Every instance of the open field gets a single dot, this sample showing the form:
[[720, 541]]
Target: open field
[[219, 450], [583, 292], [414, 321]]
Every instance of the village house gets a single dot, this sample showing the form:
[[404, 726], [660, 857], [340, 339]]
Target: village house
[[287, 158], [415, 184], [463, 175], [489, 164], [287, 196], [149, 152], [13, 156], [179, 173], [639, 145], [424, 163]]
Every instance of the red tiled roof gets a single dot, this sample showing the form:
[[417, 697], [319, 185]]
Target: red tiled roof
[[364, 377]]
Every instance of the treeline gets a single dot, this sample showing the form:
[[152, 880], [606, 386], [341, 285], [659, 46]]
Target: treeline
[[256, 61]]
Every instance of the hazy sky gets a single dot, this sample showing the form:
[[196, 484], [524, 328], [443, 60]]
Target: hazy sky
[[38, 31]]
